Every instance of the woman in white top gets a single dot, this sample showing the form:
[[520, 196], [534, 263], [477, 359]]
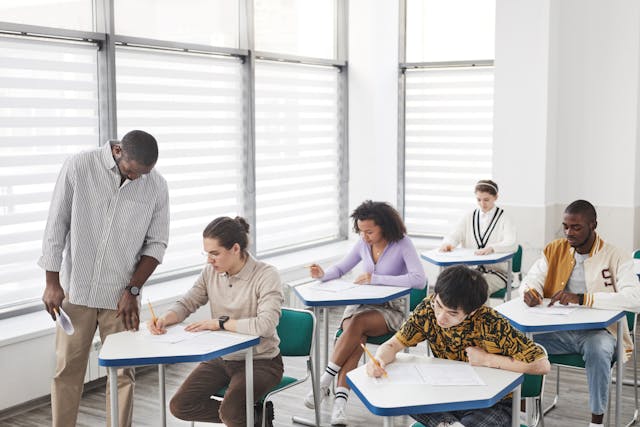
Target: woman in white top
[[488, 230]]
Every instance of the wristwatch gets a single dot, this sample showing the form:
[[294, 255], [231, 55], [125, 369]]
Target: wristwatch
[[133, 290], [222, 320]]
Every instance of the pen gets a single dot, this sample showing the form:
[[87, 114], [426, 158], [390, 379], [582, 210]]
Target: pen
[[535, 295], [364, 347], [309, 266], [153, 314]]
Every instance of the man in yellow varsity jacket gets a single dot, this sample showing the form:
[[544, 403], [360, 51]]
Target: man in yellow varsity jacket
[[582, 269]]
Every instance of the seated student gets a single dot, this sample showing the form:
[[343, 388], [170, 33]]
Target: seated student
[[487, 229], [582, 269], [459, 327], [245, 296], [389, 258]]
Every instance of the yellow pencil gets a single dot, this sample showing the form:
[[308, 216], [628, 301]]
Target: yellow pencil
[[366, 350], [153, 314]]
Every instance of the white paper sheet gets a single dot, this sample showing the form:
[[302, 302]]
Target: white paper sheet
[[64, 322], [333, 285], [431, 374], [556, 309], [175, 334]]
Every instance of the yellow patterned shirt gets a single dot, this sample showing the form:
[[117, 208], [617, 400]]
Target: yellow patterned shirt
[[486, 329]]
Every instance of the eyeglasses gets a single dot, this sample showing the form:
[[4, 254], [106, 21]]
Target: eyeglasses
[[209, 256], [438, 308]]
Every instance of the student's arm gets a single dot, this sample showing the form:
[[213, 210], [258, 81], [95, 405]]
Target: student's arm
[[627, 296], [456, 237], [386, 354], [270, 297], [535, 278], [159, 327], [508, 238], [479, 357], [346, 264], [195, 297], [415, 276]]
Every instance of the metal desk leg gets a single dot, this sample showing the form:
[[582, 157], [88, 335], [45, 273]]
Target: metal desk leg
[[515, 407], [509, 278], [388, 422], [619, 368], [325, 320], [113, 395], [163, 397], [248, 371]]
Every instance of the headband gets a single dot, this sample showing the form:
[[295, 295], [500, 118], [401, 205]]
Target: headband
[[488, 185]]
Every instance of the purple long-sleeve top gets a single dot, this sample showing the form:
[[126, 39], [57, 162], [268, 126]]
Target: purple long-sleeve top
[[398, 265]]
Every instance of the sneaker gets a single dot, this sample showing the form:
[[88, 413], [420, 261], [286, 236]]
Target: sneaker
[[308, 401], [338, 415]]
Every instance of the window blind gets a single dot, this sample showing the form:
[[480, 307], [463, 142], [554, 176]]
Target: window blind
[[48, 111], [448, 144], [297, 155], [192, 105]]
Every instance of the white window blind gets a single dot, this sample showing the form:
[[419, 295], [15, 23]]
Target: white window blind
[[448, 144], [297, 155], [48, 111], [192, 105]]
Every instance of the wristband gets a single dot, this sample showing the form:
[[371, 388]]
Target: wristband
[[581, 299]]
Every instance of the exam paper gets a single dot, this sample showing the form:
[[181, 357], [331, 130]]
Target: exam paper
[[431, 374], [337, 285], [556, 309], [63, 320], [175, 334]]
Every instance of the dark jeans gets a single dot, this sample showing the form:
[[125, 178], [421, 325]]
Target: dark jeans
[[192, 401]]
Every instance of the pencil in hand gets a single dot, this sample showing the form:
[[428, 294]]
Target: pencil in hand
[[153, 314], [535, 294], [366, 350]]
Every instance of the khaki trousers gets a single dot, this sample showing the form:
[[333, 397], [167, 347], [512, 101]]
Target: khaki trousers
[[72, 355]]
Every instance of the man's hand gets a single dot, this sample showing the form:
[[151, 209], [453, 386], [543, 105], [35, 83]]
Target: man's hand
[[53, 293], [485, 251], [363, 279], [316, 271], [446, 247], [532, 298], [477, 356], [564, 298], [203, 325], [128, 309], [158, 327], [374, 370]]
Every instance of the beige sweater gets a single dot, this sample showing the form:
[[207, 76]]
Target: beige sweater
[[253, 297]]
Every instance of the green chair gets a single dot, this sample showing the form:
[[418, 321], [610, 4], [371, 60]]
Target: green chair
[[636, 254], [516, 269], [296, 331], [415, 297], [575, 361]]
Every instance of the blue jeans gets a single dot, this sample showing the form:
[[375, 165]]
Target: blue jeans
[[598, 349]]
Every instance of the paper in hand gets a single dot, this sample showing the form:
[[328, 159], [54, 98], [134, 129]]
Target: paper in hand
[[63, 320]]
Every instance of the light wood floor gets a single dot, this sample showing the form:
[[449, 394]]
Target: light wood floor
[[572, 410]]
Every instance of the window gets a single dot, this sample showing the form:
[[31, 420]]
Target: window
[[48, 111], [68, 14], [192, 105], [448, 110], [297, 155]]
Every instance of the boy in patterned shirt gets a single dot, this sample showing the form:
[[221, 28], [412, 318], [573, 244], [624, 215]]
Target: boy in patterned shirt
[[459, 327]]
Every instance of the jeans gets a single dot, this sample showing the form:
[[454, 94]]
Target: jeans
[[598, 349]]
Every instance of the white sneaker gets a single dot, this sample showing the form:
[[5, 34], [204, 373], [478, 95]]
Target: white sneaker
[[308, 400], [338, 415]]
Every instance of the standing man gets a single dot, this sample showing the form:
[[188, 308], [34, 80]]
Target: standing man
[[107, 231], [583, 269]]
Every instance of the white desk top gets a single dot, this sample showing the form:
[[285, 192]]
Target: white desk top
[[463, 256], [525, 319], [402, 399], [139, 348], [311, 296]]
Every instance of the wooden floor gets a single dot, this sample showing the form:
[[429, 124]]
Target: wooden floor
[[572, 410]]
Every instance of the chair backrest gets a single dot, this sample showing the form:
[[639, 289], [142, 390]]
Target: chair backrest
[[533, 384], [631, 320], [516, 261], [636, 254], [296, 331], [417, 295]]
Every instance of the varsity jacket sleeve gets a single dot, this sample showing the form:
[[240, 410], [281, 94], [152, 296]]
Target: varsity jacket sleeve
[[627, 295], [535, 277]]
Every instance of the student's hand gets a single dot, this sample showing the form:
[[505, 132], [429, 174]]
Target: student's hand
[[446, 247], [203, 325], [129, 311], [485, 251], [532, 297], [316, 271], [373, 370], [52, 297], [158, 327], [477, 356], [363, 279], [564, 298]]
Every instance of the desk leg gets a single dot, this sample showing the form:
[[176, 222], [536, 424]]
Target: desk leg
[[515, 407], [529, 403], [163, 397], [387, 422], [509, 278], [619, 367], [248, 372], [113, 395], [325, 320]]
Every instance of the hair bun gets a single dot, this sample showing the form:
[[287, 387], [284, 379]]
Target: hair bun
[[243, 223]]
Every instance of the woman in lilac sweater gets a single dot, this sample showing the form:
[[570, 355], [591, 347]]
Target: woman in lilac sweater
[[388, 258]]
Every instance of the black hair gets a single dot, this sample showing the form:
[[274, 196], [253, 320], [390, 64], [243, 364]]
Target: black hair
[[460, 287], [140, 146], [583, 208], [487, 186], [228, 231], [384, 216]]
